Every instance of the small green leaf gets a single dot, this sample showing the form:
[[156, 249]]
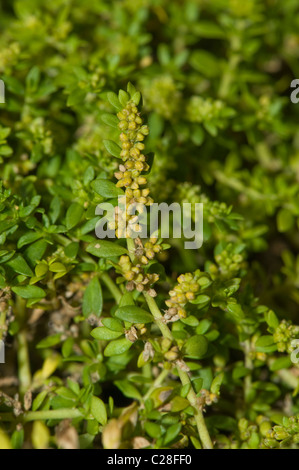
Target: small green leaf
[[285, 220], [93, 299], [55, 208], [112, 148], [240, 372], [136, 97], [57, 268], [36, 251], [5, 150], [196, 346], [203, 326], [281, 363], [236, 311], [201, 300], [217, 381], [134, 314], [116, 347], [127, 299], [37, 402], [123, 98], [110, 120], [19, 265], [104, 333], [131, 89], [29, 292], [73, 215], [105, 249], [32, 79], [98, 410], [272, 319], [67, 347], [128, 389], [172, 432], [265, 344], [154, 430], [88, 176], [113, 99], [49, 341], [71, 250], [106, 188], [29, 237], [113, 324]]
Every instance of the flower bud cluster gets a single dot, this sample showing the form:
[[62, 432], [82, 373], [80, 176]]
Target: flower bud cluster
[[206, 110], [285, 435], [136, 277], [183, 292], [213, 210], [206, 398], [129, 176], [251, 433], [145, 253], [162, 96], [229, 263], [284, 334]]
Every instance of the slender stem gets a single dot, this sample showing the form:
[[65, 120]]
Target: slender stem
[[159, 380], [24, 363], [231, 68], [23, 353], [147, 370], [200, 422], [287, 377], [131, 248], [199, 419], [62, 413], [158, 316], [240, 187], [67, 413], [248, 365], [228, 75], [111, 286], [184, 377], [2, 323]]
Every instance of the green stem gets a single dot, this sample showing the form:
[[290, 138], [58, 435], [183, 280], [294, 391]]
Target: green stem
[[159, 380], [158, 316], [111, 286], [228, 75], [200, 422], [287, 377], [249, 365], [184, 377], [24, 363], [199, 419], [131, 249], [233, 62], [61, 239], [62, 413], [147, 370], [240, 187], [2, 323], [23, 353]]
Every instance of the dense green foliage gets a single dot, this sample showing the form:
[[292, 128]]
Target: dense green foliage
[[109, 344]]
